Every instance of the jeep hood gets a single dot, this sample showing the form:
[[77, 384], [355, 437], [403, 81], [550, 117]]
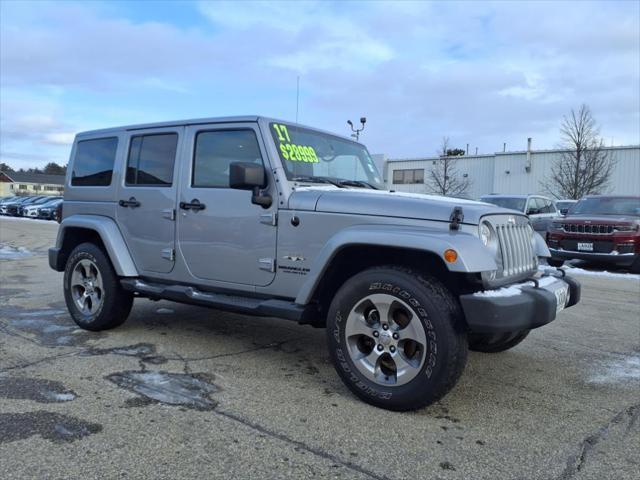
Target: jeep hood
[[384, 203]]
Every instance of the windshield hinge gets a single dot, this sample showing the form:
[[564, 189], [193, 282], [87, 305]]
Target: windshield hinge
[[456, 218], [168, 254], [269, 219]]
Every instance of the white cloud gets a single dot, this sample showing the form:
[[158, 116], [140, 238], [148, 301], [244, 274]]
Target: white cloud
[[62, 138]]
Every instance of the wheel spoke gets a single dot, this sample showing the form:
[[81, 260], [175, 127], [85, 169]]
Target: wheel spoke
[[383, 305], [402, 363], [76, 278], [95, 300], [413, 331], [357, 325]]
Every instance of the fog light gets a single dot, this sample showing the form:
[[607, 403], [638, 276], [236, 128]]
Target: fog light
[[450, 255]]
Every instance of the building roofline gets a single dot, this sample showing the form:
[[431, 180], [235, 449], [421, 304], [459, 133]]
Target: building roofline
[[515, 152]]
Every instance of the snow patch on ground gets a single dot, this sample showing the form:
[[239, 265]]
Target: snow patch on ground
[[165, 311], [9, 252], [59, 397], [619, 371], [594, 273], [27, 219]]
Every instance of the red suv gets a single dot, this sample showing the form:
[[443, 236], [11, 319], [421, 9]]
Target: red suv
[[598, 228]]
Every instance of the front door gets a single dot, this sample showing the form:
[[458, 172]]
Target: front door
[[221, 234], [147, 198]]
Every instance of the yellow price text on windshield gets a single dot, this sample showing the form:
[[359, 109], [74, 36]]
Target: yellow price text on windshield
[[291, 151]]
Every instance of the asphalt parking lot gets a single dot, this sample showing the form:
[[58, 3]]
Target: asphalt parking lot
[[185, 392]]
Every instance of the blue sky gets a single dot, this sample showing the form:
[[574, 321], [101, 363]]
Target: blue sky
[[479, 73]]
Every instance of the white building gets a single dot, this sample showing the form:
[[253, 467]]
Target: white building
[[507, 172]]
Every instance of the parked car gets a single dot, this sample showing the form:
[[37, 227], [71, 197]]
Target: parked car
[[268, 218], [4, 202], [598, 228], [563, 206], [12, 208], [48, 211], [540, 210], [31, 209]]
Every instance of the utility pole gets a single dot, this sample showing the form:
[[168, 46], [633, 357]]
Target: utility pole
[[356, 131]]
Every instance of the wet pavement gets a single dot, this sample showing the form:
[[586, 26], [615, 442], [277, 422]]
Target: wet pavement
[[185, 392]]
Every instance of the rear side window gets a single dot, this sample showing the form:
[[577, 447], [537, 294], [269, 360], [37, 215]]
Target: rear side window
[[216, 150], [93, 162], [151, 159]]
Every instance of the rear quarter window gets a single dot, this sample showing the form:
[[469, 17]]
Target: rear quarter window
[[93, 162]]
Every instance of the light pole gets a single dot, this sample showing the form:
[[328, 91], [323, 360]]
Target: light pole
[[356, 131]]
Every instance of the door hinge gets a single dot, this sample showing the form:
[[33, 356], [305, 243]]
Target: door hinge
[[269, 219], [169, 213], [169, 254], [268, 264]]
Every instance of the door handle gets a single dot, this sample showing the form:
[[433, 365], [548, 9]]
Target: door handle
[[132, 202], [193, 205]]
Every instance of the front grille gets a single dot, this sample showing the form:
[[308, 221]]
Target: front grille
[[518, 256], [593, 229]]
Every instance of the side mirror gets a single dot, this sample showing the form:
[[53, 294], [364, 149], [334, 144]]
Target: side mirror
[[563, 211], [533, 211], [250, 176]]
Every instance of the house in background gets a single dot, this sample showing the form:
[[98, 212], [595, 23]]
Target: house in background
[[20, 183]]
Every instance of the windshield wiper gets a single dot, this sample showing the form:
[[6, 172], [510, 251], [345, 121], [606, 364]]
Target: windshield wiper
[[310, 178], [357, 183], [338, 182]]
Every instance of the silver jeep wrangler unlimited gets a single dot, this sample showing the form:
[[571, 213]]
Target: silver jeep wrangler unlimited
[[264, 217]]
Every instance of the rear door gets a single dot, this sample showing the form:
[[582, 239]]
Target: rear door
[[147, 197], [222, 236]]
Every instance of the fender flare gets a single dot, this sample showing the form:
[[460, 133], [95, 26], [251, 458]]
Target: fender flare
[[111, 237], [541, 246], [472, 256]]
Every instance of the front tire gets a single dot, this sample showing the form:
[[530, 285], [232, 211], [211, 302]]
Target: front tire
[[92, 290], [496, 343], [396, 338]]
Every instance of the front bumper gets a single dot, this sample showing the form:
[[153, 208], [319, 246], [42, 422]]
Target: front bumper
[[622, 259], [532, 307]]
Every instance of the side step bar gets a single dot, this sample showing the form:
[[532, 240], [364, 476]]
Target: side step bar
[[233, 303]]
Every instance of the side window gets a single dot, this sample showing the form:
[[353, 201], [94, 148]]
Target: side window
[[151, 159], [215, 150], [550, 207], [539, 205], [93, 162], [408, 176]]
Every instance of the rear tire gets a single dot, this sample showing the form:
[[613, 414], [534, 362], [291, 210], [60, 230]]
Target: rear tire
[[396, 338], [555, 263], [92, 290], [495, 343]]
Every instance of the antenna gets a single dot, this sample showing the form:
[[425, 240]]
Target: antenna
[[297, 96]]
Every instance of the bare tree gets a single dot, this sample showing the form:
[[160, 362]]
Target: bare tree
[[444, 178], [586, 167]]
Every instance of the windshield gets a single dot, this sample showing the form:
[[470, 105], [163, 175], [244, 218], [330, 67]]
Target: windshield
[[607, 206], [506, 202], [561, 204], [311, 156]]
